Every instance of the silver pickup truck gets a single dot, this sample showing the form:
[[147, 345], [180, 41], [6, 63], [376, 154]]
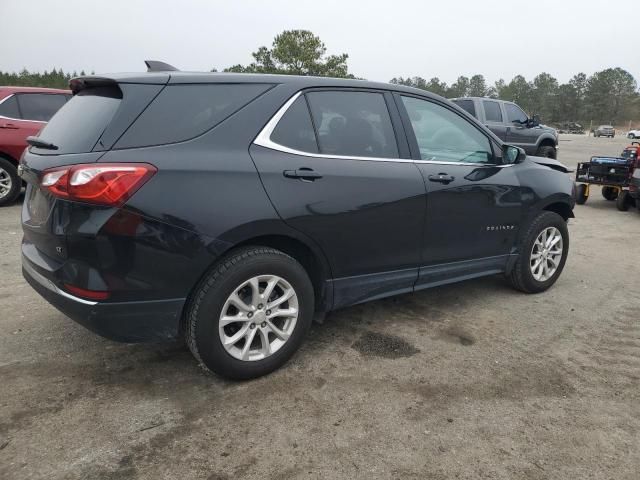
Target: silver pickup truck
[[509, 122]]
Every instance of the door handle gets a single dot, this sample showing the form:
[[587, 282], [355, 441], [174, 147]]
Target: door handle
[[303, 173], [442, 178], [9, 126]]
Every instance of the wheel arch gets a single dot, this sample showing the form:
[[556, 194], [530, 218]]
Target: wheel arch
[[546, 141], [8, 157], [307, 254]]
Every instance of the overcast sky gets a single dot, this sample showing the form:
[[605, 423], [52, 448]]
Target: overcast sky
[[383, 38]]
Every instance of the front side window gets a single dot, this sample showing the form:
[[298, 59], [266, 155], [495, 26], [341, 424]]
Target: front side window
[[515, 113], [492, 111], [353, 124], [40, 106], [445, 136], [295, 130], [9, 108]]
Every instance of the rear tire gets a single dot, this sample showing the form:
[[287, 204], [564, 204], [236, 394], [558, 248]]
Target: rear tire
[[547, 152], [523, 274], [610, 193], [10, 183], [622, 202], [581, 194], [245, 275]]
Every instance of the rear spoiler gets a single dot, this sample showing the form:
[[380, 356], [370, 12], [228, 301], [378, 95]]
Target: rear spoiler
[[153, 66], [157, 66]]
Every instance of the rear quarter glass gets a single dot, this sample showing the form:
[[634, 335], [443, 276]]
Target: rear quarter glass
[[183, 112]]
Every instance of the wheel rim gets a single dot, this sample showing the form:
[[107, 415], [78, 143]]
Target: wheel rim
[[258, 317], [546, 254], [5, 183]]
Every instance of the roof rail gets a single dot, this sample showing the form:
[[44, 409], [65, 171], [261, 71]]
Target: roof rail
[[156, 66]]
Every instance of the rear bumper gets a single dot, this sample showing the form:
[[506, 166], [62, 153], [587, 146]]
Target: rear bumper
[[124, 322]]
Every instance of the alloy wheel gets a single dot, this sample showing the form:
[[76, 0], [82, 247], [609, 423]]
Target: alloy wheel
[[258, 318], [5, 183], [546, 254]]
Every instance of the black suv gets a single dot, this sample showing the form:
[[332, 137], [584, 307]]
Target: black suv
[[232, 208]]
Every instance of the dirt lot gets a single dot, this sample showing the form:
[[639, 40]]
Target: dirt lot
[[471, 380]]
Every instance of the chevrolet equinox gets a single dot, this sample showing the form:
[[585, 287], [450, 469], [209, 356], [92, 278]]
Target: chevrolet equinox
[[232, 208]]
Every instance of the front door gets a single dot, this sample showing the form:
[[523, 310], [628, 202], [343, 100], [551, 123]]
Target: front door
[[473, 202], [337, 176]]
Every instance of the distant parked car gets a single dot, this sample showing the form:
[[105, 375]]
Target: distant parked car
[[604, 131], [633, 134], [509, 122], [23, 112]]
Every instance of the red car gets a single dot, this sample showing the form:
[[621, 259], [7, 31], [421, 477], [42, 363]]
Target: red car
[[23, 112]]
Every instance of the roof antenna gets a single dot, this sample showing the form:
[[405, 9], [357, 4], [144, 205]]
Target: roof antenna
[[156, 66]]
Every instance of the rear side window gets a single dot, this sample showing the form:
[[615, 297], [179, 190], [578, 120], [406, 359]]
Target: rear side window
[[40, 106], [466, 105], [78, 125], [9, 108], [492, 111], [295, 130], [353, 124], [515, 113], [182, 112]]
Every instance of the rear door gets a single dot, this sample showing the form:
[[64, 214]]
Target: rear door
[[494, 119], [335, 170], [474, 203]]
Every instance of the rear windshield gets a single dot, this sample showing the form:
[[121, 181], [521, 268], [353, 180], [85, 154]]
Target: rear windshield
[[79, 123], [182, 112]]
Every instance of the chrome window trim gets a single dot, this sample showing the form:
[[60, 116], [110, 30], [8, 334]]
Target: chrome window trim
[[23, 119], [49, 285], [264, 140]]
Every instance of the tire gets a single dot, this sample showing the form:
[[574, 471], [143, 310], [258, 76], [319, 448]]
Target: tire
[[581, 194], [547, 152], [213, 295], [521, 276], [610, 193], [10, 183], [631, 136], [623, 201]]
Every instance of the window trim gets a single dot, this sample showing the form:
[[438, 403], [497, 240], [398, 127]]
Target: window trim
[[263, 138]]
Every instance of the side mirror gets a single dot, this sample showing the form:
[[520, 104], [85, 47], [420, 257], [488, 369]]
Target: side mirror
[[535, 121], [512, 155]]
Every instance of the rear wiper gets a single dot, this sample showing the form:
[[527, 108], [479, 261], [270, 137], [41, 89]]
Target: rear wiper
[[40, 143]]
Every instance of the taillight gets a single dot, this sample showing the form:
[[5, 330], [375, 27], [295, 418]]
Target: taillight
[[110, 184]]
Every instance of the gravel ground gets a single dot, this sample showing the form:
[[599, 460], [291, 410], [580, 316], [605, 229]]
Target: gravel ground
[[472, 380]]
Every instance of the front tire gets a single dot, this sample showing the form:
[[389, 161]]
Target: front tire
[[543, 252], [250, 313], [547, 152], [10, 183]]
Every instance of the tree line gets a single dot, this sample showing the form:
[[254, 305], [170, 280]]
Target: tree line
[[53, 79], [608, 96]]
